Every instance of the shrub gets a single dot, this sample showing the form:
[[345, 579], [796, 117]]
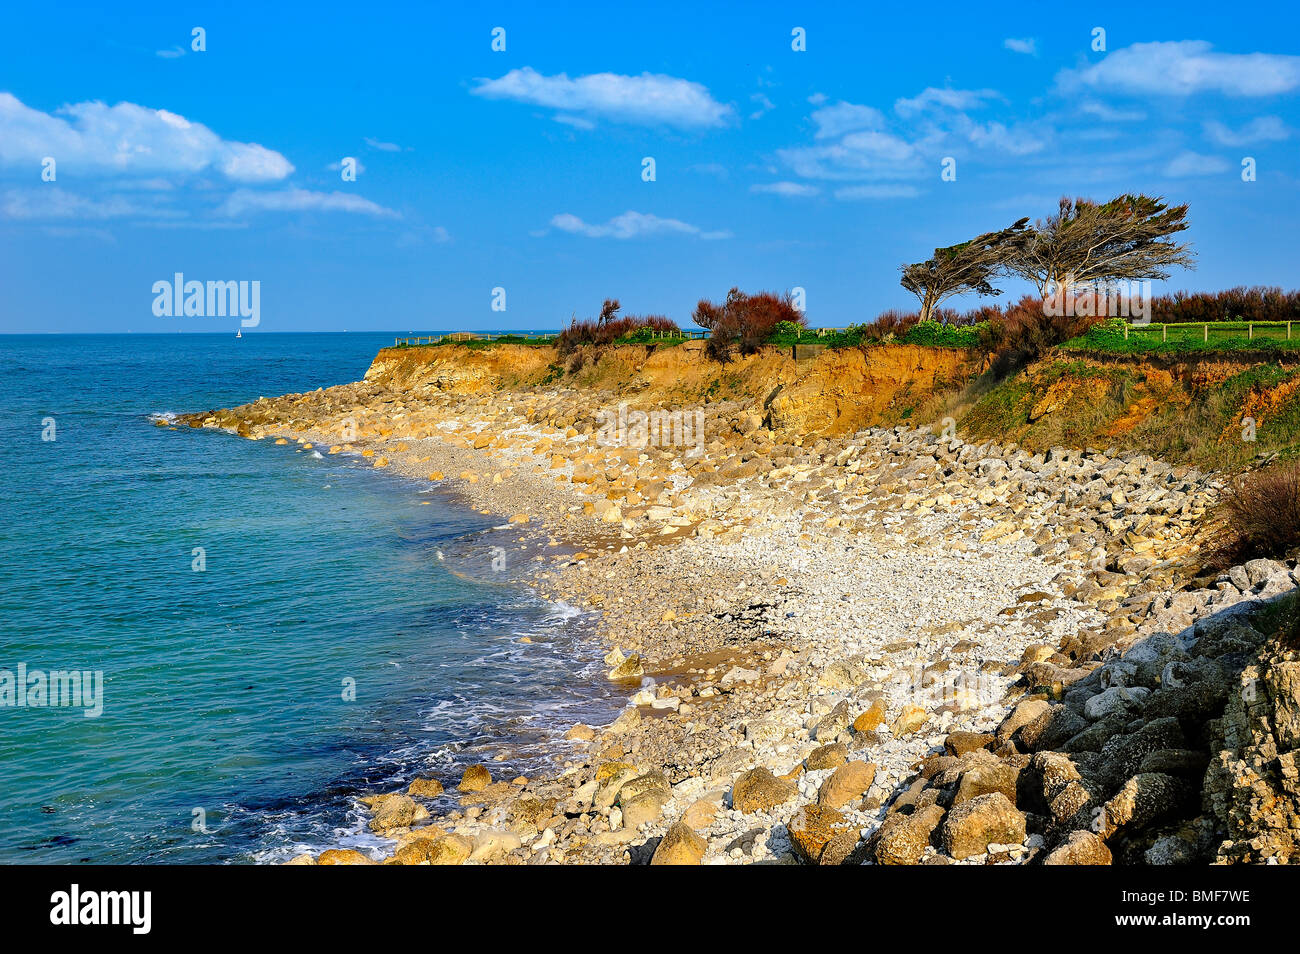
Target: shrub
[[1025, 330], [608, 328], [943, 335], [1257, 303], [889, 324], [1260, 515], [744, 321]]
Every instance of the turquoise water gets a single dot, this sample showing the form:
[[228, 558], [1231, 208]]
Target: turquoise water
[[225, 734]]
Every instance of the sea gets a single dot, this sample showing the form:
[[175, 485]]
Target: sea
[[243, 637]]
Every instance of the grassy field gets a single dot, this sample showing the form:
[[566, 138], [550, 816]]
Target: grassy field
[[1117, 336]]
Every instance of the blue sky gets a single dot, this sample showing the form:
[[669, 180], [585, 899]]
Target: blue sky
[[522, 169]]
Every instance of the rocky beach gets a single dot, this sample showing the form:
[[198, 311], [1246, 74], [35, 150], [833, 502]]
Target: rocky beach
[[845, 638]]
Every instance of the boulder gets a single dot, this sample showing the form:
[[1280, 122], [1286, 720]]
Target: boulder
[[344, 856], [680, 846], [492, 845], [820, 835], [759, 790], [909, 720], [475, 779], [987, 820], [984, 778], [630, 668], [1081, 848], [642, 808], [960, 742], [846, 784], [903, 839], [826, 756], [1142, 800], [425, 788], [396, 811], [872, 719], [580, 733]]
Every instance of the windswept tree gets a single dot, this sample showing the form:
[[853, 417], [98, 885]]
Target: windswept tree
[[970, 266], [1087, 244], [608, 311]]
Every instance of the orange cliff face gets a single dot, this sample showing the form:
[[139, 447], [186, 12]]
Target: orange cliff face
[[834, 393]]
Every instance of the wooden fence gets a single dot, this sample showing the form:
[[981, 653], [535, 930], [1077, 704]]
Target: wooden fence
[[1212, 330]]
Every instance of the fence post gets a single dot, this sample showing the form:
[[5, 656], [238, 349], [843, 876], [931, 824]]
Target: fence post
[[1206, 336], [1251, 327], [1164, 332], [1126, 331]]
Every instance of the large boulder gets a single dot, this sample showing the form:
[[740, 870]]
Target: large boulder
[[344, 856], [1142, 800], [475, 779], [680, 846], [1081, 848], [395, 811], [987, 820], [846, 784], [821, 835], [984, 778], [759, 790], [902, 839]]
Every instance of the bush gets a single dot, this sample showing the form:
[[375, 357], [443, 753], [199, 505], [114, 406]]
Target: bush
[[1025, 330], [1257, 303], [1260, 516], [745, 321], [888, 325], [609, 328], [944, 335]]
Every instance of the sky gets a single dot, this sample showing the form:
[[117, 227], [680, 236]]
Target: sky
[[793, 146]]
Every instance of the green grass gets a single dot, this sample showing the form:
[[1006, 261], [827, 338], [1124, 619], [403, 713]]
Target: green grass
[[1181, 338]]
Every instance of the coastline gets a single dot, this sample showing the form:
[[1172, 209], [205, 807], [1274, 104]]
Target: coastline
[[821, 620]]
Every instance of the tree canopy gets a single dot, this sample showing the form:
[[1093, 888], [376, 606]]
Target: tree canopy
[[968, 266]]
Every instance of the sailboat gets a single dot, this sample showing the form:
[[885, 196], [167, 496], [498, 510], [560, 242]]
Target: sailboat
[[239, 332]]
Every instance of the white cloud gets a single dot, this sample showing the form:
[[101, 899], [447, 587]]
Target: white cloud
[[174, 53], [1184, 67], [858, 155], [852, 193], [832, 121], [243, 201], [788, 189], [1110, 114], [50, 202], [1260, 129], [1028, 46], [577, 122], [933, 97], [765, 106], [649, 99], [382, 146], [1195, 164], [93, 138], [632, 225], [1017, 140]]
